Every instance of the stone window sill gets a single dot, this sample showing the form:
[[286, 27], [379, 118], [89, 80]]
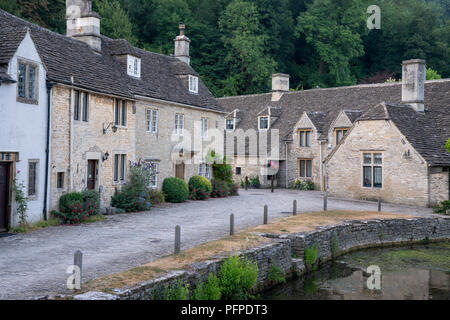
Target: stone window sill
[[27, 100]]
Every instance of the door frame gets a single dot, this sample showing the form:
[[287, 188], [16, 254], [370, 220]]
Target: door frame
[[9, 179], [97, 156], [175, 169]]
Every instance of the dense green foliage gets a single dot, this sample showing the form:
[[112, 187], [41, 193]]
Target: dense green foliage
[[237, 276], [303, 185], [209, 290], [443, 207], [77, 207], [175, 190], [237, 44], [447, 145], [200, 188], [311, 256], [156, 197]]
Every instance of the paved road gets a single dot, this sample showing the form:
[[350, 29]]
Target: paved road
[[34, 264]]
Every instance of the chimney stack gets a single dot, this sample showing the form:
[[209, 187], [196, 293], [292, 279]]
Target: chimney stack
[[83, 24], [182, 46], [413, 83], [280, 85]]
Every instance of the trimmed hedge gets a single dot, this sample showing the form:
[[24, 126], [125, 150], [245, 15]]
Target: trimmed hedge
[[200, 188], [175, 189], [67, 200], [76, 207]]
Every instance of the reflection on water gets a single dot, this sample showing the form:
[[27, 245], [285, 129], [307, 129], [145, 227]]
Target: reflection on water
[[420, 280]]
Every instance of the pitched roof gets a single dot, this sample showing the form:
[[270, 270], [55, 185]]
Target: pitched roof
[[65, 57], [331, 101], [9, 42]]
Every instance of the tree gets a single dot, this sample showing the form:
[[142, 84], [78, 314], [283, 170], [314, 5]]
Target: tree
[[334, 29], [432, 74], [115, 22], [447, 145], [250, 65]]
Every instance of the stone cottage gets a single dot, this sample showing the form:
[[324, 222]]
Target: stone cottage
[[310, 124], [111, 104]]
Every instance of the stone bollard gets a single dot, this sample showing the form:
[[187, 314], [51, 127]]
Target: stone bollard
[[325, 201], [266, 214], [78, 261], [379, 204], [231, 224], [294, 210], [177, 239]]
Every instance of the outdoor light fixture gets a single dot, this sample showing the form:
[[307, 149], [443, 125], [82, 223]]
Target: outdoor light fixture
[[113, 128], [106, 156]]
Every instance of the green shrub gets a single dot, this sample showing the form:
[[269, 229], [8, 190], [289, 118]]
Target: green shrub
[[156, 197], [175, 189], [91, 202], [69, 199], [200, 188], [128, 200], [75, 213], [303, 185], [233, 189], [237, 276], [311, 255], [173, 291], [445, 205], [219, 189], [276, 274], [209, 290], [254, 183]]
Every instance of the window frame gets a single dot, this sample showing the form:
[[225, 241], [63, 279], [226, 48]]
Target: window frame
[[307, 134], [193, 84], [373, 166], [60, 186], [204, 170], [26, 82], [36, 176], [205, 127], [133, 66], [259, 122], [120, 113], [155, 175], [305, 160], [119, 168], [233, 121], [343, 132], [150, 122], [179, 124]]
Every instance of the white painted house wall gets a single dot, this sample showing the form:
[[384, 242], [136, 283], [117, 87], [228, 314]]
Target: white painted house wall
[[23, 127]]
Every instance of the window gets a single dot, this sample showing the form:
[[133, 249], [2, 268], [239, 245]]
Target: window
[[304, 137], [204, 170], [76, 106], [339, 134], [305, 168], [32, 178], [85, 106], [120, 113], [263, 123], [81, 105], [372, 170], [27, 82], [60, 180], [133, 66], [205, 124], [179, 124], [154, 175], [152, 120], [229, 124], [119, 167], [238, 171], [193, 84]]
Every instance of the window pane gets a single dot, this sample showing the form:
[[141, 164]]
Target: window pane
[[377, 177], [181, 124], [76, 111], [367, 158], [21, 82], [116, 113], [302, 168], [155, 121], [124, 113], [208, 170], [338, 136], [85, 106], [308, 138], [377, 158], [32, 178], [31, 82], [302, 138], [116, 167], [60, 180], [367, 176], [308, 168], [263, 123], [122, 167], [149, 118]]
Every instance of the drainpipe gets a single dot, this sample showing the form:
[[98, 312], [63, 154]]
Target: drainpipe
[[47, 146], [286, 156], [321, 166], [72, 105]]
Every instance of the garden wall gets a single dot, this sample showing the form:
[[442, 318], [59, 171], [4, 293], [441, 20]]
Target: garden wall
[[286, 251]]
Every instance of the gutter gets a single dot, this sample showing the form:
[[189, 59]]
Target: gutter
[[47, 147], [179, 104]]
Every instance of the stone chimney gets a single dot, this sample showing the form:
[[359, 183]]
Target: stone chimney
[[182, 46], [280, 85], [413, 83], [83, 24]]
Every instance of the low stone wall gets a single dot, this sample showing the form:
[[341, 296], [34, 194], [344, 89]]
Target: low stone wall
[[287, 251]]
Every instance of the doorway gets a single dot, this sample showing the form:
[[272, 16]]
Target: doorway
[[179, 170], [92, 174], [4, 183]]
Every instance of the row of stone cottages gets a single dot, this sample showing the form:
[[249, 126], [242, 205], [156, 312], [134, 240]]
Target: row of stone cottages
[[76, 109]]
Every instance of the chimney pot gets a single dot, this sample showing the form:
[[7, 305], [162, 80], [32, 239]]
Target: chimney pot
[[413, 83], [83, 24], [280, 85], [182, 45]]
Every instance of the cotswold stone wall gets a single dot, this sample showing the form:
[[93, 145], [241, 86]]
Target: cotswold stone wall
[[439, 187], [287, 251]]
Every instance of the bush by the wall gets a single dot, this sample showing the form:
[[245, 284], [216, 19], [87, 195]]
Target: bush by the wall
[[233, 188], [68, 199], [75, 213], [443, 207], [156, 197], [254, 183], [237, 276], [175, 189], [91, 202], [303, 185], [200, 188], [128, 200], [209, 290], [219, 189]]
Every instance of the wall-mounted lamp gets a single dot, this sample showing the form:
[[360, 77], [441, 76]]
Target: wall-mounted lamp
[[181, 153], [105, 156], [113, 128]]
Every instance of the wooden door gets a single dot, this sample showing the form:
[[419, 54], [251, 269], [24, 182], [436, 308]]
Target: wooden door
[[179, 170], [3, 195], [92, 174]]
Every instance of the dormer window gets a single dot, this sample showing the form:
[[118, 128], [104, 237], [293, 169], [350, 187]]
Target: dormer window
[[263, 123], [133, 66], [229, 124], [193, 84]]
